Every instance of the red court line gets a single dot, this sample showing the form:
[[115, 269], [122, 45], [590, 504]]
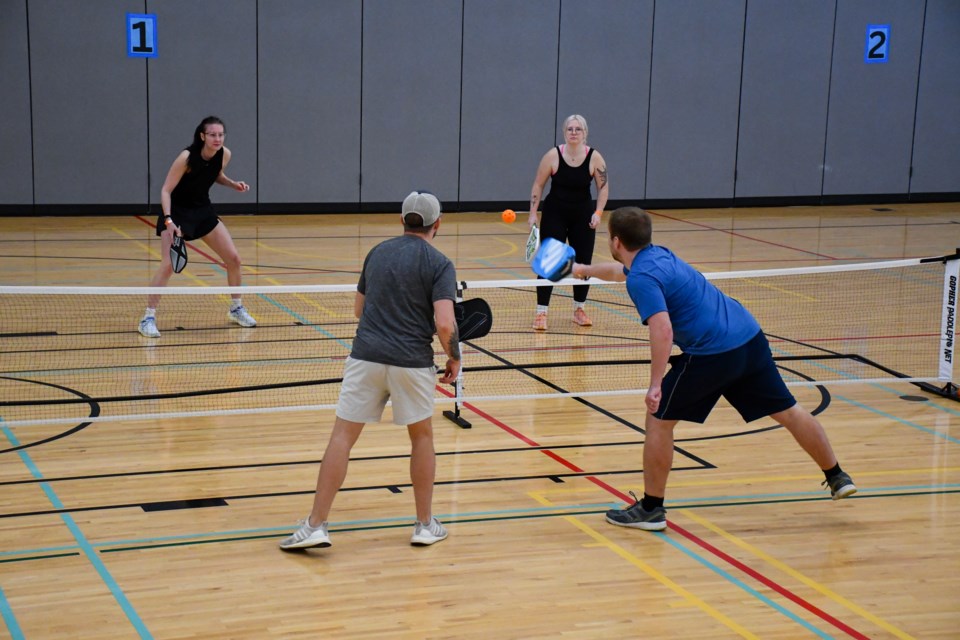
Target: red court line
[[740, 235], [193, 245], [753, 573]]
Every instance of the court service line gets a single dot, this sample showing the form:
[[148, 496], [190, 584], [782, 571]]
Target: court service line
[[907, 423], [690, 597], [81, 539], [663, 579], [796, 575], [6, 612], [216, 263], [756, 575], [738, 235]]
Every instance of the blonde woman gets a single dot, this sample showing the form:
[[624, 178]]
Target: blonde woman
[[569, 213]]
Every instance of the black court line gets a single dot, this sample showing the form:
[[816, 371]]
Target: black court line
[[457, 521], [390, 487]]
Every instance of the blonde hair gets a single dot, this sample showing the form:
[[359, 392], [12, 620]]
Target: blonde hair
[[581, 121]]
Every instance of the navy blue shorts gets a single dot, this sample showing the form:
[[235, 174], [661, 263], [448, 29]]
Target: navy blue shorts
[[746, 376]]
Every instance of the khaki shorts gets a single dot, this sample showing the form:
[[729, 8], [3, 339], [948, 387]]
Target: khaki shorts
[[367, 386]]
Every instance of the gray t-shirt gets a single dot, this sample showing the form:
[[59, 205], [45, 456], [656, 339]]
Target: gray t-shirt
[[401, 279]]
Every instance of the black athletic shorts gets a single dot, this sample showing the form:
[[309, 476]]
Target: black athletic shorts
[[194, 223], [746, 376]]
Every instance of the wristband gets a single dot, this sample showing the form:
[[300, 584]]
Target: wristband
[[167, 220]]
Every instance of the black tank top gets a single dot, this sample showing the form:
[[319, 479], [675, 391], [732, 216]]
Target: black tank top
[[571, 185], [193, 190]]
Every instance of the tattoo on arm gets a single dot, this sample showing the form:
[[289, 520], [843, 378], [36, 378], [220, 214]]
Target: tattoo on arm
[[454, 350], [602, 176]]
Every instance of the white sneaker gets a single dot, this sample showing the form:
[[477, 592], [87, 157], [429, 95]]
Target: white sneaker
[[429, 533], [306, 536], [148, 328], [241, 317]]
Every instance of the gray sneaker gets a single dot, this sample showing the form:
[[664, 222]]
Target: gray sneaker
[[241, 317], [306, 536], [424, 534], [148, 328], [841, 486], [636, 517]]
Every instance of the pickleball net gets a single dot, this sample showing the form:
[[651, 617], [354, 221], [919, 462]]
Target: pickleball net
[[74, 355]]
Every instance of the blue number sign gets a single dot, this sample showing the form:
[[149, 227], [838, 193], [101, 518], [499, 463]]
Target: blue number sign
[[878, 44], [142, 35]]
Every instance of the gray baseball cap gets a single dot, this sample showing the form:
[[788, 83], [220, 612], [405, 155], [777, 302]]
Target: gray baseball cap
[[424, 203]]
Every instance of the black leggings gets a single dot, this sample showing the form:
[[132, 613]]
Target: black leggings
[[571, 225]]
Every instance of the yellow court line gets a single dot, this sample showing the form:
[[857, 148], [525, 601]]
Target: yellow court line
[[858, 474], [312, 303], [156, 254], [796, 575], [251, 271], [757, 282], [604, 541], [297, 254], [512, 249], [758, 479]]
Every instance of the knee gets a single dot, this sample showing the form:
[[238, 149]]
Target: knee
[[232, 260]]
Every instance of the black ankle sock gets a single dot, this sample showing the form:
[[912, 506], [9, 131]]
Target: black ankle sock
[[832, 472], [649, 503]]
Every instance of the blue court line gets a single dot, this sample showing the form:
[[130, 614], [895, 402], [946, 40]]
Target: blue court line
[[742, 585], [333, 528], [294, 314], [723, 500], [82, 541], [9, 619], [907, 423], [822, 493]]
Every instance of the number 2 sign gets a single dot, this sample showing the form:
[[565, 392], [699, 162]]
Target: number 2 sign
[[141, 35], [878, 44]]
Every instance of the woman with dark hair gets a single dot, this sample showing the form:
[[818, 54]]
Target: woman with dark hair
[[187, 212]]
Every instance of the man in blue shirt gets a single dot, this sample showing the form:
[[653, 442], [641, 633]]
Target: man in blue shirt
[[724, 353]]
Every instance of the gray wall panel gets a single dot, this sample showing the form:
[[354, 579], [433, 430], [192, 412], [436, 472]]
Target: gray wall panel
[[411, 98], [309, 101], [783, 98], [509, 95], [89, 108], [694, 98], [207, 65], [16, 156], [605, 77], [936, 144], [870, 123]]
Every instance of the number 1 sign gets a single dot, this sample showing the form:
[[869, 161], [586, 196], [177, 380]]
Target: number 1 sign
[[141, 35]]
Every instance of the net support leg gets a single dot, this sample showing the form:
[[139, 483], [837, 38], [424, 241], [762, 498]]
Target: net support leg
[[454, 416], [949, 390]]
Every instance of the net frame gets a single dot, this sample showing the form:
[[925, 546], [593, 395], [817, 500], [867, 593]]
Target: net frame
[[459, 395]]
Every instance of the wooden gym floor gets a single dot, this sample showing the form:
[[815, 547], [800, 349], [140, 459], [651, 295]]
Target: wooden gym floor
[[756, 548]]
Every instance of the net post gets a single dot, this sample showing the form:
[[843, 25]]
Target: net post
[[454, 415]]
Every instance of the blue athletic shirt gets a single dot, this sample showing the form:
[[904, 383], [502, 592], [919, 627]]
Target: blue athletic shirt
[[705, 320]]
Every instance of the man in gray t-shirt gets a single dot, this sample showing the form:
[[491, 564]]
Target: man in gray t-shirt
[[405, 295], [401, 280]]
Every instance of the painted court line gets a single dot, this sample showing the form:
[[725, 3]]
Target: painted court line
[[649, 570], [796, 575], [9, 619], [756, 575], [82, 541], [664, 580]]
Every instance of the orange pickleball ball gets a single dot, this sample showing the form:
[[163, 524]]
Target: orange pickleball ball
[[508, 216]]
